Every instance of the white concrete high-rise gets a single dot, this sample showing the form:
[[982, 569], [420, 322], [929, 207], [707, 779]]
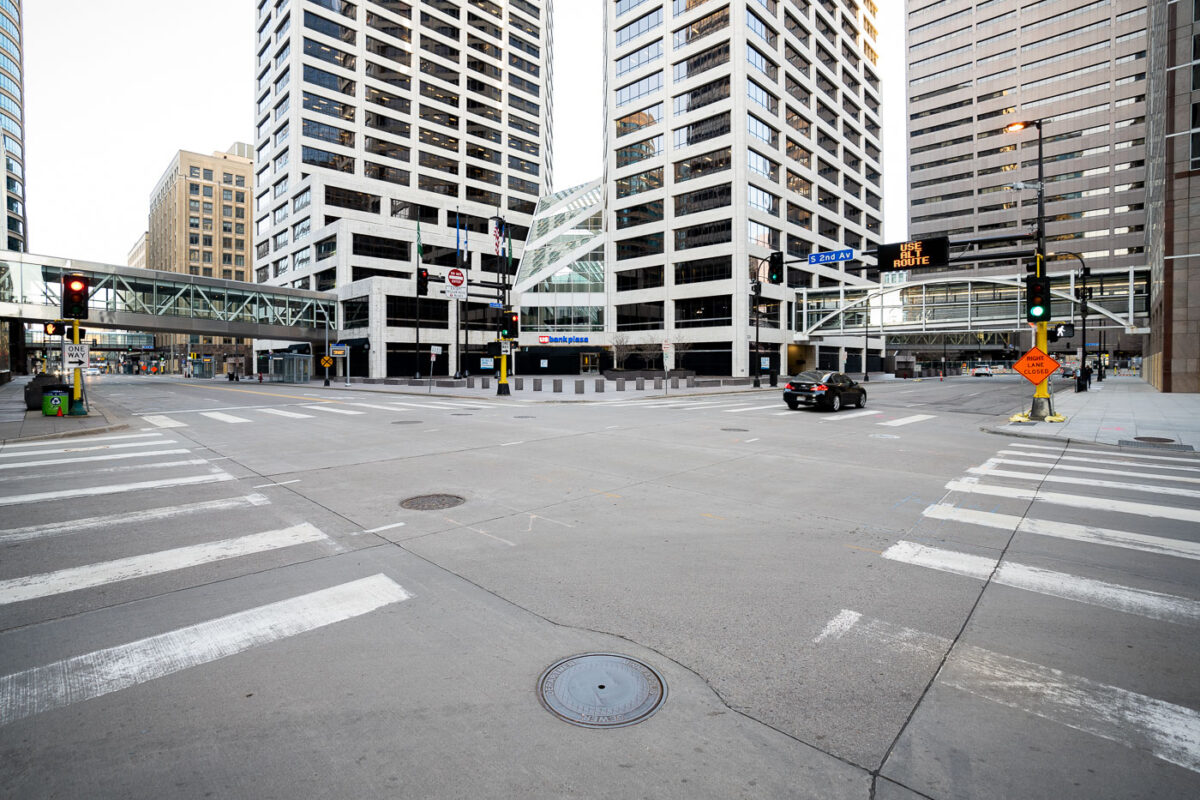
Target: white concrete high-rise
[[12, 118], [385, 124], [733, 130]]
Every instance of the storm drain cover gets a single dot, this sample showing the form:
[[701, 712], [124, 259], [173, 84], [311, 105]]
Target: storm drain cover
[[407, 422], [1153, 440], [601, 690], [736, 430], [432, 502]]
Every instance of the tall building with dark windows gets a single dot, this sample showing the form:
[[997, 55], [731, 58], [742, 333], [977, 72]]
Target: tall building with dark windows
[[1078, 67], [1172, 357], [734, 129], [384, 127], [12, 117]]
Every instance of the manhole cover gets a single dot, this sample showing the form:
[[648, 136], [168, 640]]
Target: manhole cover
[[1153, 440], [601, 690], [407, 422], [432, 502], [736, 430], [523, 417], [460, 414]]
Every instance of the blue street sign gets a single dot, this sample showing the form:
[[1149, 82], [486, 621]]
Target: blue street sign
[[495, 305], [832, 257]]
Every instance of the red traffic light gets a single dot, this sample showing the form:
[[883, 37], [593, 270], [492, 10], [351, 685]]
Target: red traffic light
[[76, 285]]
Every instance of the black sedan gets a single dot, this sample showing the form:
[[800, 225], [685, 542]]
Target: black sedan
[[830, 390]]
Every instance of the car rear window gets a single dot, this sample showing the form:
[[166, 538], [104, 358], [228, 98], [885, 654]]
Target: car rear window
[[811, 376]]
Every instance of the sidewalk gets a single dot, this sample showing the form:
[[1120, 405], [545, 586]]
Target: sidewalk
[[1119, 411], [16, 423], [570, 385]]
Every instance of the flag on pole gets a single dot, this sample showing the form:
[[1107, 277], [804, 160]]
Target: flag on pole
[[508, 248], [420, 250], [457, 241]]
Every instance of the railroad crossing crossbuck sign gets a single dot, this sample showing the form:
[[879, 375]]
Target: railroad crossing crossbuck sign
[[1036, 366], [326, 361]]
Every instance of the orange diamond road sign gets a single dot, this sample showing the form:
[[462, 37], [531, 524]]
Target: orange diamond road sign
[[1036, 366]]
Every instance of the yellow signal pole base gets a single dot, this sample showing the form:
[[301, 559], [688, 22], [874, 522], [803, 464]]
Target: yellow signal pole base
[[502, 389], [1019, 417], [1056, 418]]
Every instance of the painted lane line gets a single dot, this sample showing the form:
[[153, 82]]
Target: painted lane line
[[220, 416], [510, 444], [748, 441], [59, 450], [752, 408], [31, 587], [1093, 470], [1159, 545], [1112, 461], [610, 427], [164, 422], [1126, 599], [1091, 482], [83, 440], [853, 415], [333, 410], [386, 527], [132, 518], [1169, 732], [972, 486], [108, 457], [281, 483], [101, 672], [279, 412], [895, 423], [1139, 456], [216, 476], [372, 405]]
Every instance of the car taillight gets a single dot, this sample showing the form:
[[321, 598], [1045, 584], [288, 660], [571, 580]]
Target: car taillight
[[791, 387], [820, 387]]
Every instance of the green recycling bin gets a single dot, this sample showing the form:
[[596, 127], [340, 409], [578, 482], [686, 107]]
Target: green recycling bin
[[55, 400]]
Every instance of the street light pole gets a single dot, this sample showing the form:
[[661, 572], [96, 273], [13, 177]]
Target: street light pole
[[1043, 406]]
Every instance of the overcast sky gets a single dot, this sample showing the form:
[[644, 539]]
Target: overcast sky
[[108, 105]]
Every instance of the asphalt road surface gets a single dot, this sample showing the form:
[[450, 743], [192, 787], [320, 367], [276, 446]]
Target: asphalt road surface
[[228, 599]]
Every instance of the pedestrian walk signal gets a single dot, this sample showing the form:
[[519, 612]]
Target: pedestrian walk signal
[[56, 328]]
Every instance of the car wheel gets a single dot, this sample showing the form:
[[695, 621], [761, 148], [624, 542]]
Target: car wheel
[[835, 403], [793, 404], [862, 400]]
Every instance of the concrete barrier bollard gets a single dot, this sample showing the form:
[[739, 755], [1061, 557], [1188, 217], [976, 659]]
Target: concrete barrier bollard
[[579, 386], [600, 385], [640, 384], [519, 383], [691, 381], [537, 384], [487, 383], [558, 385], [620, 384], [657, 384], [674, 383], [470, 383]]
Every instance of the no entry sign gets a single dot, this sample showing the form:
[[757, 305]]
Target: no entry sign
[[456, 284]]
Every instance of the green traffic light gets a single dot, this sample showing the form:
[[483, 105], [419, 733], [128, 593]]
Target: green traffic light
[[1037, 311]]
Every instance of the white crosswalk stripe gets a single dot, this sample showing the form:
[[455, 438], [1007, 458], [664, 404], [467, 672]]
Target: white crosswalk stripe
[[279, 412], [895, 423], [75, 578], [221, 416], [751, 408], [79, 440], [84, 677], [215, 476], [1168, 731], [160, 421], [989, 470], [1154, 605], [852, 415], [92, 448], [333, 410]]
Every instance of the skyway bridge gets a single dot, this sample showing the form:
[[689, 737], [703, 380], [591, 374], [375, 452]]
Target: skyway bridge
[[156, 301]]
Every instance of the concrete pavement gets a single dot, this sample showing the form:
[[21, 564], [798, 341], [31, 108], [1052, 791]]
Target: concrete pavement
[[17, 423], [1121, 410]]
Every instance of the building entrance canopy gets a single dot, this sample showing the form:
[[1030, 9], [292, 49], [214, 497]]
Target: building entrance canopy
[[129, 298]]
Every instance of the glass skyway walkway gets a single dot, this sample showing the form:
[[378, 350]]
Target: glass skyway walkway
[[164, 302]]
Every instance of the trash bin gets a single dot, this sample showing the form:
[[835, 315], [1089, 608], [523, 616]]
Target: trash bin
[[56, 399], [774, 378]]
